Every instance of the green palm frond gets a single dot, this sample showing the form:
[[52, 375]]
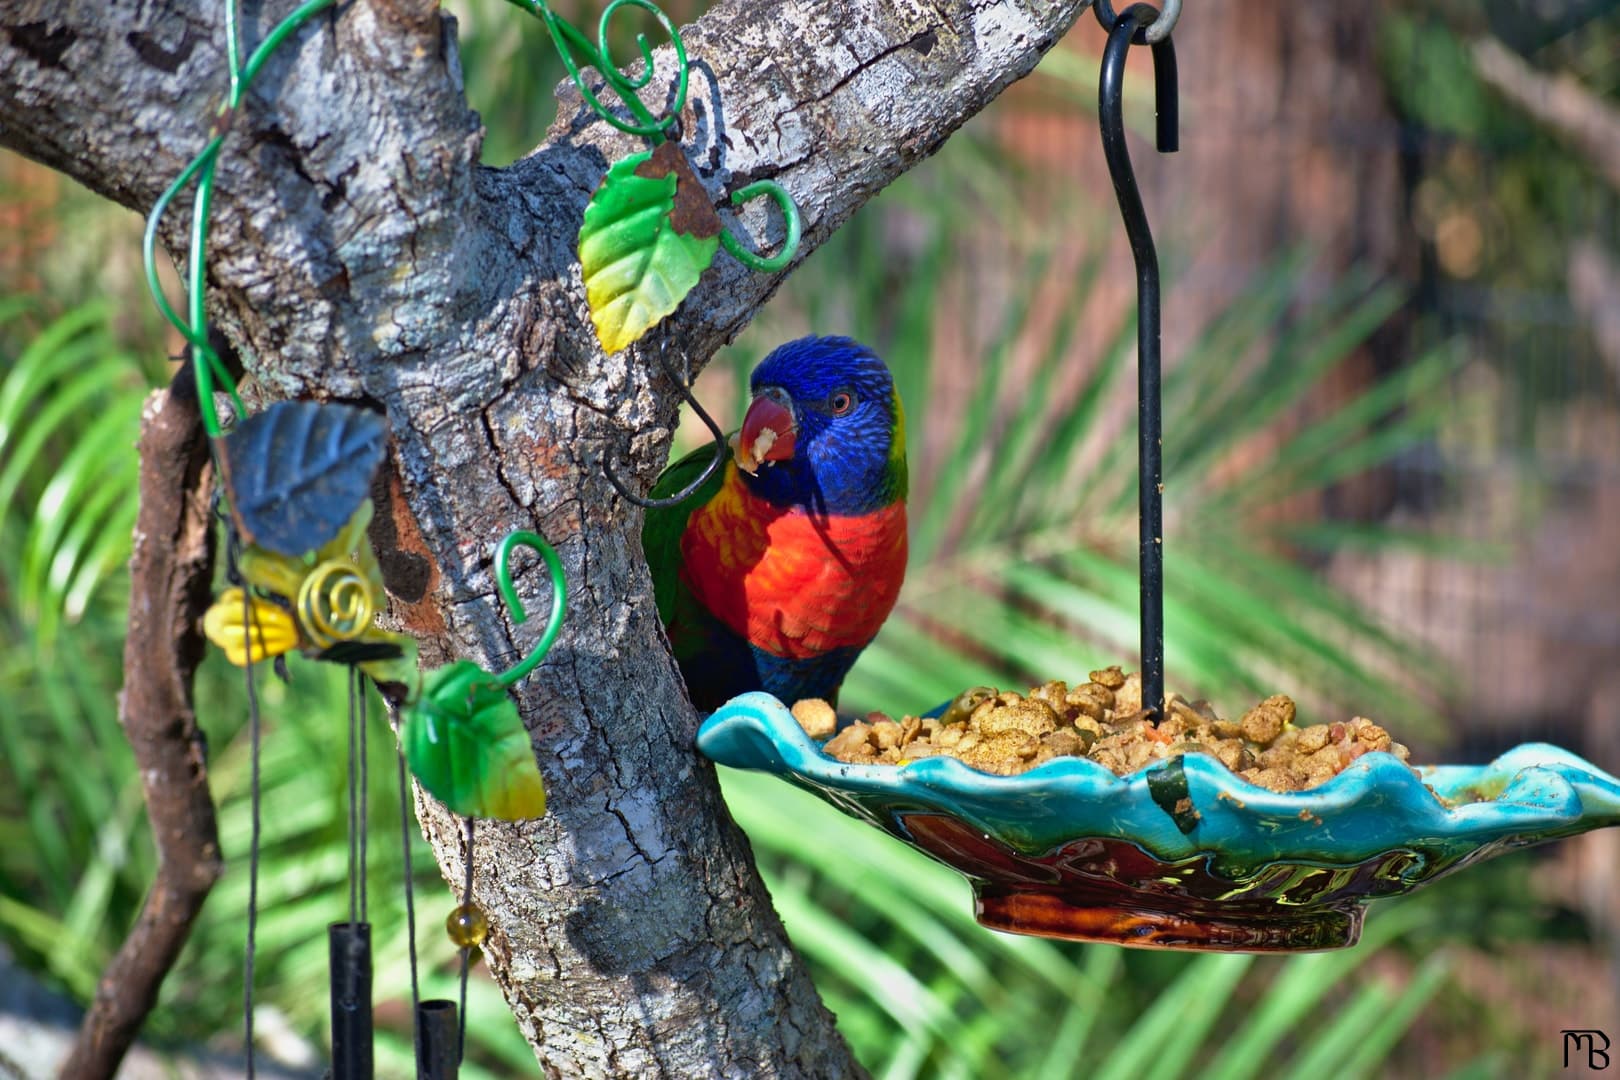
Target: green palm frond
[[70, 406]]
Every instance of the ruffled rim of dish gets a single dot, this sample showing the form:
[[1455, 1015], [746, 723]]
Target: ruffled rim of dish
[[1377, 804]]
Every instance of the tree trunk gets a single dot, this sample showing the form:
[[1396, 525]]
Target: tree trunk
[[359, 252]]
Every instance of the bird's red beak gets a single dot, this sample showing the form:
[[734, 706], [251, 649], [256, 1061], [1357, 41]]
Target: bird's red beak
[[767, 433]]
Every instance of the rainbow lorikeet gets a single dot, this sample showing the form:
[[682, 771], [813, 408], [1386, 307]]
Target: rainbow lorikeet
[[781, 568]]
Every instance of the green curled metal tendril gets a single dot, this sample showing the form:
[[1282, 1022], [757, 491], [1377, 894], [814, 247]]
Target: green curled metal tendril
[[790, 243], [570, 41], [559, 599], [206, 363]]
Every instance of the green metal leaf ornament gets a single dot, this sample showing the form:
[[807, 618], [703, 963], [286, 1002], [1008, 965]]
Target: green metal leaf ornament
[[648, 235], [465, 744]]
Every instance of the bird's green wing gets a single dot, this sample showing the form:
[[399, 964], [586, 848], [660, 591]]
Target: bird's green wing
[[662, 529]]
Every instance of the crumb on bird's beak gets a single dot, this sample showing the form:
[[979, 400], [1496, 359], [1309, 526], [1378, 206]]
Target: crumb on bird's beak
[[767, 434]]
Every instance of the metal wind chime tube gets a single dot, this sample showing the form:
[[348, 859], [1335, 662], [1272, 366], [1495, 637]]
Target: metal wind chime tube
[[1135, 25], [349, 959], [438, 1053]]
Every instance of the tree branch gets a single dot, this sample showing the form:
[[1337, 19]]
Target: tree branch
[[171, 574], [1582, 119]]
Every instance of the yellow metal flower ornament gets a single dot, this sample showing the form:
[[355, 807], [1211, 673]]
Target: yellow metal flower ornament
[[248, 628], [321, 603]]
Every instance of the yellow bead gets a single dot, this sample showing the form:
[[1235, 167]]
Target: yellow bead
[[467, 926]]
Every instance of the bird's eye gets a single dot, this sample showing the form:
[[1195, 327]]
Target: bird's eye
[[841, 402]]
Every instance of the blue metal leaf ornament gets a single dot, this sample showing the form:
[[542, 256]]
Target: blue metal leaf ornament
[[297, 471]]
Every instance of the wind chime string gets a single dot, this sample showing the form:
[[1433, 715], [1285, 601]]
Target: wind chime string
[[365, 791], [353, 852], [410, 898], [250, 627], [466, 950]]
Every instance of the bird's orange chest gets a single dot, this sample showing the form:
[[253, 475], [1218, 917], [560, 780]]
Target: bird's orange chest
[[791, 583]]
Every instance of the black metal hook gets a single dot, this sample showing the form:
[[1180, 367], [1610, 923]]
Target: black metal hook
[[684, 386], [1150, 468]]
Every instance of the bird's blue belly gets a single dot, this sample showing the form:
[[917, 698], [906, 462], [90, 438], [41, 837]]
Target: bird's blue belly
[[794, 680], [718, 665]]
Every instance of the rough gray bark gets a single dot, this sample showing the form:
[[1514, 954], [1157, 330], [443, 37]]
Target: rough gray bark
[[359, 252]]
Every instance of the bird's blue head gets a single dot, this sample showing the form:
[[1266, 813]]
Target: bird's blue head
[[825, 430]]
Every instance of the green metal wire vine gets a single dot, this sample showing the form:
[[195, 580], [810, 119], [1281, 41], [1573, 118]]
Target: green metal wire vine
[[790, 243], [577, 53], [559, 599], [571, 43], [206, 363]]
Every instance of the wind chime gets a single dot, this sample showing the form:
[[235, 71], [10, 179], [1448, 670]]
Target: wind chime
[[1182, 853], [295, 490], [297, 480]]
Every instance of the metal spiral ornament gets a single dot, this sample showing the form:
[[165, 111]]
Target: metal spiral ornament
[[334, 603]]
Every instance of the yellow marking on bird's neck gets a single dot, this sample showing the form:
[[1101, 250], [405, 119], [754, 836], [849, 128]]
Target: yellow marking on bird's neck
[[897, 447]]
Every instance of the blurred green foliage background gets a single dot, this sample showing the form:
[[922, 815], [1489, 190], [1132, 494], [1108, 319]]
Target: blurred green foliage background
[[1393, 454]]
